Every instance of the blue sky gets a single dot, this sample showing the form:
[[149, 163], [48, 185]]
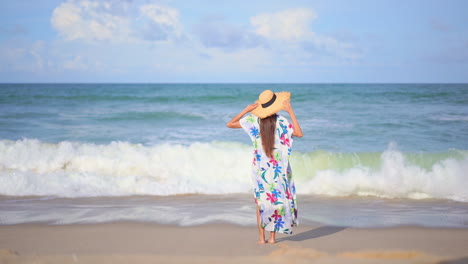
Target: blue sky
[[233, 41]]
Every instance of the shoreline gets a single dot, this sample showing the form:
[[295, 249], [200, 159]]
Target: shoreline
[[121, 242], [237, 209]]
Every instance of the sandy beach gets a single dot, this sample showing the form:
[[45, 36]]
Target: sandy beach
[[162, 131], [125, 242]]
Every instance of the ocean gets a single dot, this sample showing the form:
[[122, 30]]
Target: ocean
[[371, 155]]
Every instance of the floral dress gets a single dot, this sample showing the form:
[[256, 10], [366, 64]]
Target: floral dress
[[274, 190]]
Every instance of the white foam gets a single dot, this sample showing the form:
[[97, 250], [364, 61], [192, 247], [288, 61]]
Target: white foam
[[395, 178], [447, 117], [31, 167], [68, 169]]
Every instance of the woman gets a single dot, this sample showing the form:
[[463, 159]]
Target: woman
[[271, 134]]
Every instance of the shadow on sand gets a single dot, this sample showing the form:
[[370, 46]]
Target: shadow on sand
[[463, 260], [313, 233]]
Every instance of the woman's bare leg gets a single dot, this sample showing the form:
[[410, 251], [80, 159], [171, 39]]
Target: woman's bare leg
[[272, 238], [261, 230]]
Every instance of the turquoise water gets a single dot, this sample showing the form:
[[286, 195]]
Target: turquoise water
[[371, 155], [335, 117], [388, 140]]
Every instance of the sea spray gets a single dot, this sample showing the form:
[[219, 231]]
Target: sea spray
[[395, 176], [72, 169]]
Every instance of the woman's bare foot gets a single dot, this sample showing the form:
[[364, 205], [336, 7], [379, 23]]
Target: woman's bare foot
[[272, 240], [261, 242]]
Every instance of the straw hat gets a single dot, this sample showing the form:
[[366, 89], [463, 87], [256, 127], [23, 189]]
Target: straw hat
[[270, 103]]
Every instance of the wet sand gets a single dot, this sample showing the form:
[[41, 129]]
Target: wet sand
[[124, 242]]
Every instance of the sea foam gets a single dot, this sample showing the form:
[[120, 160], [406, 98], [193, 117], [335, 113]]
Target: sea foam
[[71, 169]]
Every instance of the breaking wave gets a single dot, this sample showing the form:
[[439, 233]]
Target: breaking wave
[[71, 169]]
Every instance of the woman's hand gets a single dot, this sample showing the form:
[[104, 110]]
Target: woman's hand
[[287, 106], [251, 107], [234, 123]]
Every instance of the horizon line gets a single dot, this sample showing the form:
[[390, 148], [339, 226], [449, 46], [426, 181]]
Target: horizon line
[[233, 82]]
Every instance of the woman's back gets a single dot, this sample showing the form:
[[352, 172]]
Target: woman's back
[[274, 190], [273, 184], [282, 136]]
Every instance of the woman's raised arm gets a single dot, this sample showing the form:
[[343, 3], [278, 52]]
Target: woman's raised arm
[[234, 123], [297, 128]]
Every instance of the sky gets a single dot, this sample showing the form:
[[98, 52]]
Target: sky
[[255, 41]]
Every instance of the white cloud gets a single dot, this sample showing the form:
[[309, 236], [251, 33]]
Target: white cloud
[[289, 25], [325, 46], [216, 33], [117, 21], [162, 22], [24, 57], [165, 16], [76, 63], [287, 31], [152, 44], [291, 30], [89, 20]]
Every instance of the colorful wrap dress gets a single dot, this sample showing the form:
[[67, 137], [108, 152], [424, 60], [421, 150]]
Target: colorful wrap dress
[[274, 189]]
